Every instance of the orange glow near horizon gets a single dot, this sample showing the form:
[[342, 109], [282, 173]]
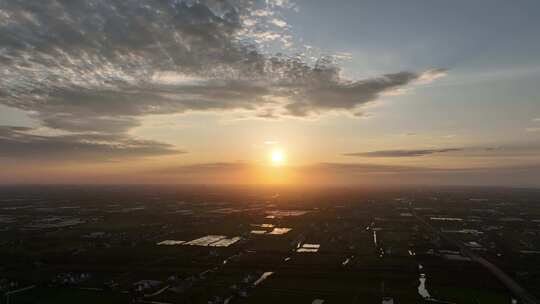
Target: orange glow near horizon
[[275, 174]]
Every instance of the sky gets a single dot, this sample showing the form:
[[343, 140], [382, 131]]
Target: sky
[[344, 92]]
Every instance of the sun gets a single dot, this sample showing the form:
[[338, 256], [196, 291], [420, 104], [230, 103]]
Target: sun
[[277, 157]]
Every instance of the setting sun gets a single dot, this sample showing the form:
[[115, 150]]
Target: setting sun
[[277, 157]]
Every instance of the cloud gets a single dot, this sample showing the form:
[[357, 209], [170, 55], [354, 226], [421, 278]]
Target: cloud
[[70, 62], [281, 3], [523, 150], [324, 90], [205, 168], [402, 153], [99, 65], [223, 168], [432, 75], [239, 172], [278, 22], [355, 174], [360, 168], [347, 173], [23, 143]]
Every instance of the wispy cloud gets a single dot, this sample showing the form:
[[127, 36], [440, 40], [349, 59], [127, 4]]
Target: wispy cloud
[[360, 173], [504, 150], [402, 153], [432, 75], [278, 22], [24, 143]]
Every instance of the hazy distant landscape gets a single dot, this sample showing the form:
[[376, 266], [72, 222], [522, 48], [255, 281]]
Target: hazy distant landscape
[[248, 244]]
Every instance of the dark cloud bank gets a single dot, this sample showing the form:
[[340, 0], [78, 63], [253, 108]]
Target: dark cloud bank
[[368, 174], [17, 142], [94, 67]]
